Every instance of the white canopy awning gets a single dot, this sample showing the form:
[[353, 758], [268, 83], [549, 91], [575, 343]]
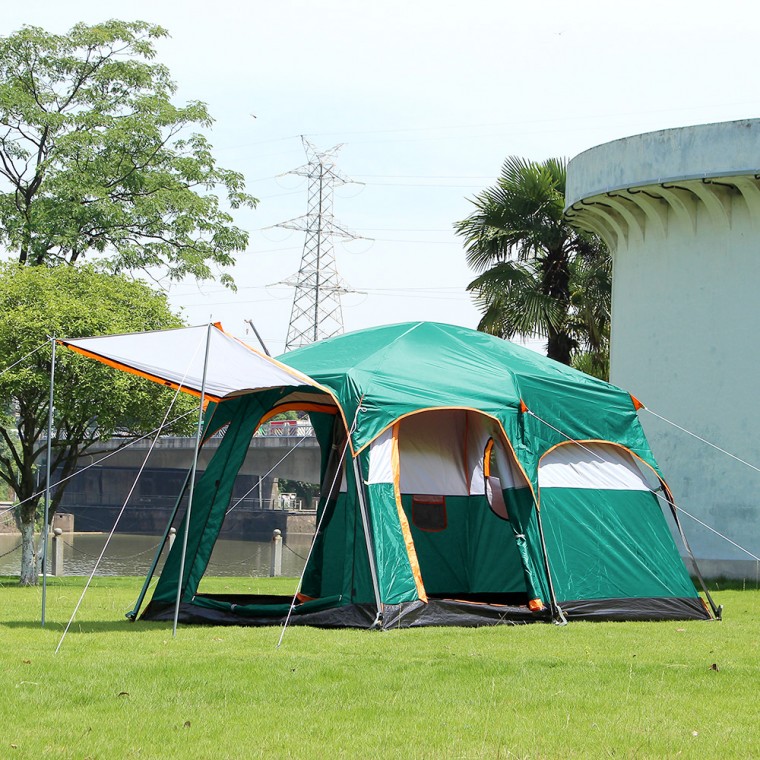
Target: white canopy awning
[[176, 358]]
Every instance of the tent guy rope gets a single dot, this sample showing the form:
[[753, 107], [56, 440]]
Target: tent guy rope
[[654, 491], [93, 464], [717, 533], [24, 358], [124, 505], [116, 523], [703, 440], [268, 473]]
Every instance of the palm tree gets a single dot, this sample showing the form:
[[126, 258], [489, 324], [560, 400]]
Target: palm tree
[[538, 276]]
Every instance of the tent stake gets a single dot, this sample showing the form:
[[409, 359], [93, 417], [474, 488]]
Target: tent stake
[[45, 528], [192, 482]]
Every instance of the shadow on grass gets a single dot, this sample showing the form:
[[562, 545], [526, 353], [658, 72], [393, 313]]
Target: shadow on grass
[[92, 626], [74, 582]]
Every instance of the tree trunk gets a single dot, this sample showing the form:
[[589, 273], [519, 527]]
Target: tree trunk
[[559, 347], [556, 283], [28, 554]]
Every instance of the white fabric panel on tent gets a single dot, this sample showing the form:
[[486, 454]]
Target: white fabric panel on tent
[[431, 453], [478, 434], [177, 357], [495, 496], [590, 465], [441, 453], [380, 459]]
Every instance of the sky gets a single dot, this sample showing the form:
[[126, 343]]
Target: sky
[[427, 99]]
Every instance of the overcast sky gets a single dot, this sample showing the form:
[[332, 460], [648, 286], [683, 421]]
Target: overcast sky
[[428, 99]]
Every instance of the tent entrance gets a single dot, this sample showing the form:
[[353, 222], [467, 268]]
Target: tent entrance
[[439, 463], [474, 557]]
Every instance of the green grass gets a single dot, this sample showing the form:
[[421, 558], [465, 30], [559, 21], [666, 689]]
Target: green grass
[[122, 690]]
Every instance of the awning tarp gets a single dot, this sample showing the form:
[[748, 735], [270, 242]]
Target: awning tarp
[[176, 358]]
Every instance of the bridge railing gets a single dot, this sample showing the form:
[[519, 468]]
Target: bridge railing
[[286, 429], [274, 429]]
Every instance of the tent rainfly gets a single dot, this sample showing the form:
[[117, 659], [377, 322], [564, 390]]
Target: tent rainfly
[[465, 481]]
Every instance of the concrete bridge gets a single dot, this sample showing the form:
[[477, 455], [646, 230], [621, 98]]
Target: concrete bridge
[[280, 450]]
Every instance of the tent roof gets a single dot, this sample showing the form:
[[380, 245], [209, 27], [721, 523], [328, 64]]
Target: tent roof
[[389, 372], [176, 358], [396, 370]]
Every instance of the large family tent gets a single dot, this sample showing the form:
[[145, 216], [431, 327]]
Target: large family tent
[[465, 481]]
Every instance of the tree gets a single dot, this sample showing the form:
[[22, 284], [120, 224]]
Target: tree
[[92, 402], [539, 276], [591, 302], [94, 158]]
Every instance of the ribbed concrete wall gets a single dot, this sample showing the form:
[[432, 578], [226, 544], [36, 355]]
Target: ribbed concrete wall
[[680, 210]]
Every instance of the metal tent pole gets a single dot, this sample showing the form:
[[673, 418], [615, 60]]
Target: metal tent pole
[[554, 605], [45, 528], [367, 537], [716, 609], [263, 345], [192, 482]]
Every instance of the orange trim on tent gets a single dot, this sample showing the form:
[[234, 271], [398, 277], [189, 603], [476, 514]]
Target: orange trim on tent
[[636, 403], [139, 373], [296, 407], [405, 530], [487, 458], [479, 604]]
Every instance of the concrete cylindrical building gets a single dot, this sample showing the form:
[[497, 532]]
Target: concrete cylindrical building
[[680, 210]]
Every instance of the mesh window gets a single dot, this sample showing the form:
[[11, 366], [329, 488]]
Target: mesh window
[[429, 513]]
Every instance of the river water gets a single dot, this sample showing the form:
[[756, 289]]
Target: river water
[[132, 555]]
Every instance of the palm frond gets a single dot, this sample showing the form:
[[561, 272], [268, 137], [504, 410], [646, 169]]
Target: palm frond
[[537, 275]]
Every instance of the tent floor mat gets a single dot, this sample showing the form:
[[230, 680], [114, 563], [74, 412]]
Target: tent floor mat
[[652, 609], [228, 609], [259, 610]]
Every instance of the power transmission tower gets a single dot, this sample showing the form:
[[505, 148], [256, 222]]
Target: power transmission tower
[[317, 311]]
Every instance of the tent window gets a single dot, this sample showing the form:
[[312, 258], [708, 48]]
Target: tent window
[[429, 513]]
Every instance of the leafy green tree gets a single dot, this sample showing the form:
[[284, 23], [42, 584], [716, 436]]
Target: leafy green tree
[[97, 164], [91, 402], [96, 159], [538, 276]]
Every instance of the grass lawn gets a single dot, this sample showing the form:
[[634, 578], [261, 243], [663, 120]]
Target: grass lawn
[[129, 690]]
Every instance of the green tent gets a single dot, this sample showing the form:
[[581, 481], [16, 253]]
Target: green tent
[[465, 481]]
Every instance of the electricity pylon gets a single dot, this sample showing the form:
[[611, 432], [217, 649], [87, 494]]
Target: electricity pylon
[[317, 311]]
